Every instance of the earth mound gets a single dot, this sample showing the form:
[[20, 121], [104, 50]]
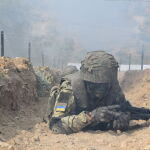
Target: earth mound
[[136, 85], [17, 82]]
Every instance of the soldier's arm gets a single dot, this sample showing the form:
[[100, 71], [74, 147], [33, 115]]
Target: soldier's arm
[[62, 116]]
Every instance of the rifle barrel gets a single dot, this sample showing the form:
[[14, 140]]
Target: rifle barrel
[[140, 116], [137, 110]]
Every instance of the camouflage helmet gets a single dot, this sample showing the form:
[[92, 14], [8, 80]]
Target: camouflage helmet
[[99, 67], [69, 70]]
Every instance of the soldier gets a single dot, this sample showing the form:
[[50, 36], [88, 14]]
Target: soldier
[[69, 70], [73, 105]]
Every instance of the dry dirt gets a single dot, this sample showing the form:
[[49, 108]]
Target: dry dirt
[[17, 82], [136, 86], [26, 129]]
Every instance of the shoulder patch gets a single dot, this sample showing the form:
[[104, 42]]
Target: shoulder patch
[[60, 107]]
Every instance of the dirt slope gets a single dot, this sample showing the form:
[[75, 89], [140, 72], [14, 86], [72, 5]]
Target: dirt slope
[[17, 82], [136, 85]]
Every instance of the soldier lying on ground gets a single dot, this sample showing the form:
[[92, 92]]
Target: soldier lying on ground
[[73, 105]]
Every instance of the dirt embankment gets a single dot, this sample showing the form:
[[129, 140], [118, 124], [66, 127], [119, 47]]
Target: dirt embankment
[[136, 85], [17, 82], [17, 91], [20, 106]]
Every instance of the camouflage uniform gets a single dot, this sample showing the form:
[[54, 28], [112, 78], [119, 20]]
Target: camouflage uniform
[[70, 103]]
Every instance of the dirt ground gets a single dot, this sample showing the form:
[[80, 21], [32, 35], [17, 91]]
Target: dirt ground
[[136, 86], [26, 129]]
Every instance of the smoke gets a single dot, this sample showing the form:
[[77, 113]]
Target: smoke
[[141, 16], [30, 21], [138, 17], [120, 33]]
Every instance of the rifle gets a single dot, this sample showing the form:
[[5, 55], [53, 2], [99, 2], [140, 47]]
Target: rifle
[[135, 112], [119, 115]]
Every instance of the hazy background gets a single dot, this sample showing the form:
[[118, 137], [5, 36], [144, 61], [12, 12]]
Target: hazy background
[[64, 30]]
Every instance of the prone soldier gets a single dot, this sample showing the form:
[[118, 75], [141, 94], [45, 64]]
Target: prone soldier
[[83, 99]]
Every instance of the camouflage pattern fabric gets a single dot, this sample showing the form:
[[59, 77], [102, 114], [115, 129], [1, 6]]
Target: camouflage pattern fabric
[[62, 110]]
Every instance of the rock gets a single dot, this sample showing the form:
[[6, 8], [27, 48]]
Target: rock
[[118, 132], [17, 118], [35, 139]]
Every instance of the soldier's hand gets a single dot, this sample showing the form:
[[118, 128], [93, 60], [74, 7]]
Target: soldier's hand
[[102, 115], [121, 122]]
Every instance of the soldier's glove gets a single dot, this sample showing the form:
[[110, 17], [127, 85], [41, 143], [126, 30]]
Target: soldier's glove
[[121, 122], [101, 115]]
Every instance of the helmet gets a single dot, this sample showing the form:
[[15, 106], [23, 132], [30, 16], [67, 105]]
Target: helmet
[[69, 70], [99, 67]]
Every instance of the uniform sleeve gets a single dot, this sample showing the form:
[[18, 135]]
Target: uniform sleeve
[[63, 117], [52, 100]]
